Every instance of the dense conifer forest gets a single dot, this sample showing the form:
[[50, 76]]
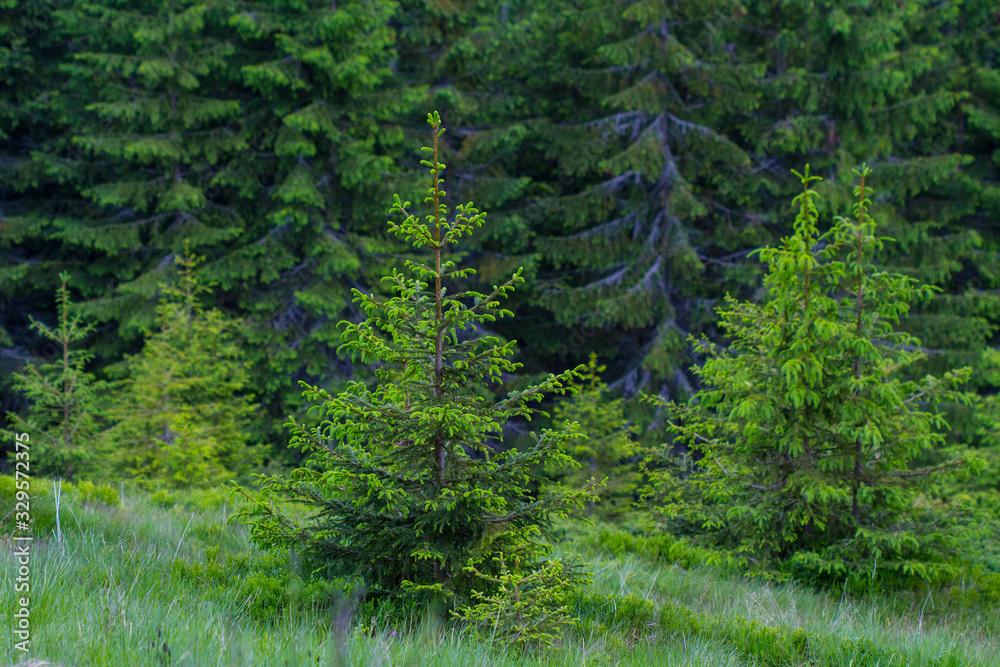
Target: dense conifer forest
[[382, 331]]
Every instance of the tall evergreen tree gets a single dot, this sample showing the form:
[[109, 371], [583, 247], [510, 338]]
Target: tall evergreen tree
[[641, 214], [162, 122], [322, 115], [744, 93], [33, 115], [255, 131], [973, 39]]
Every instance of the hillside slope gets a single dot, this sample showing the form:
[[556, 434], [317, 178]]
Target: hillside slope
[[167, 579]]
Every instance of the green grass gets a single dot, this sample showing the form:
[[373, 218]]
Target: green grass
[[164, 580]]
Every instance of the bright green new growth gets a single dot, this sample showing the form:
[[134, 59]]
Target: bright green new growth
[[528, 609], [408, 487], [180, 411], [605, 452], [807, 426], [62, 422]]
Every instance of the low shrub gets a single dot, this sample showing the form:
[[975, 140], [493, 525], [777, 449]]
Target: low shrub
[[40, 502], [263, 584], [33, 498], [88, 492], [262, 596], [164, 499], [630, 614], [657, 548], [976, 587], [192, 500]]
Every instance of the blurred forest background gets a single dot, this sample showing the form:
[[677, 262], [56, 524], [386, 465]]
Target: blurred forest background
[[630, 154]]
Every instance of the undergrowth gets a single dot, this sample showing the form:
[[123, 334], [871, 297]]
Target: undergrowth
[[169, 579]]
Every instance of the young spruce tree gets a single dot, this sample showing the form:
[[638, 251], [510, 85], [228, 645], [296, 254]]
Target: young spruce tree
[[63, 421], [407, 488], [607, 451], [807, 425], [181, 411]]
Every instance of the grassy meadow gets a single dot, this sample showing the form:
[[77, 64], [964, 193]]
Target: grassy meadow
[[168, 579]]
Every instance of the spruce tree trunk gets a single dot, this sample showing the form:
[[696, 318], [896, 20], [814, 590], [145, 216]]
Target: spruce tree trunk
[[439, 336], [593, 503], [858, 448]]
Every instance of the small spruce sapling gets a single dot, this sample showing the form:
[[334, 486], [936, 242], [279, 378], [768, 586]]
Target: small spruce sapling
[[406, 482], [607, 451], [63, 420], [807, 426], [526, 610], [181, 407]]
